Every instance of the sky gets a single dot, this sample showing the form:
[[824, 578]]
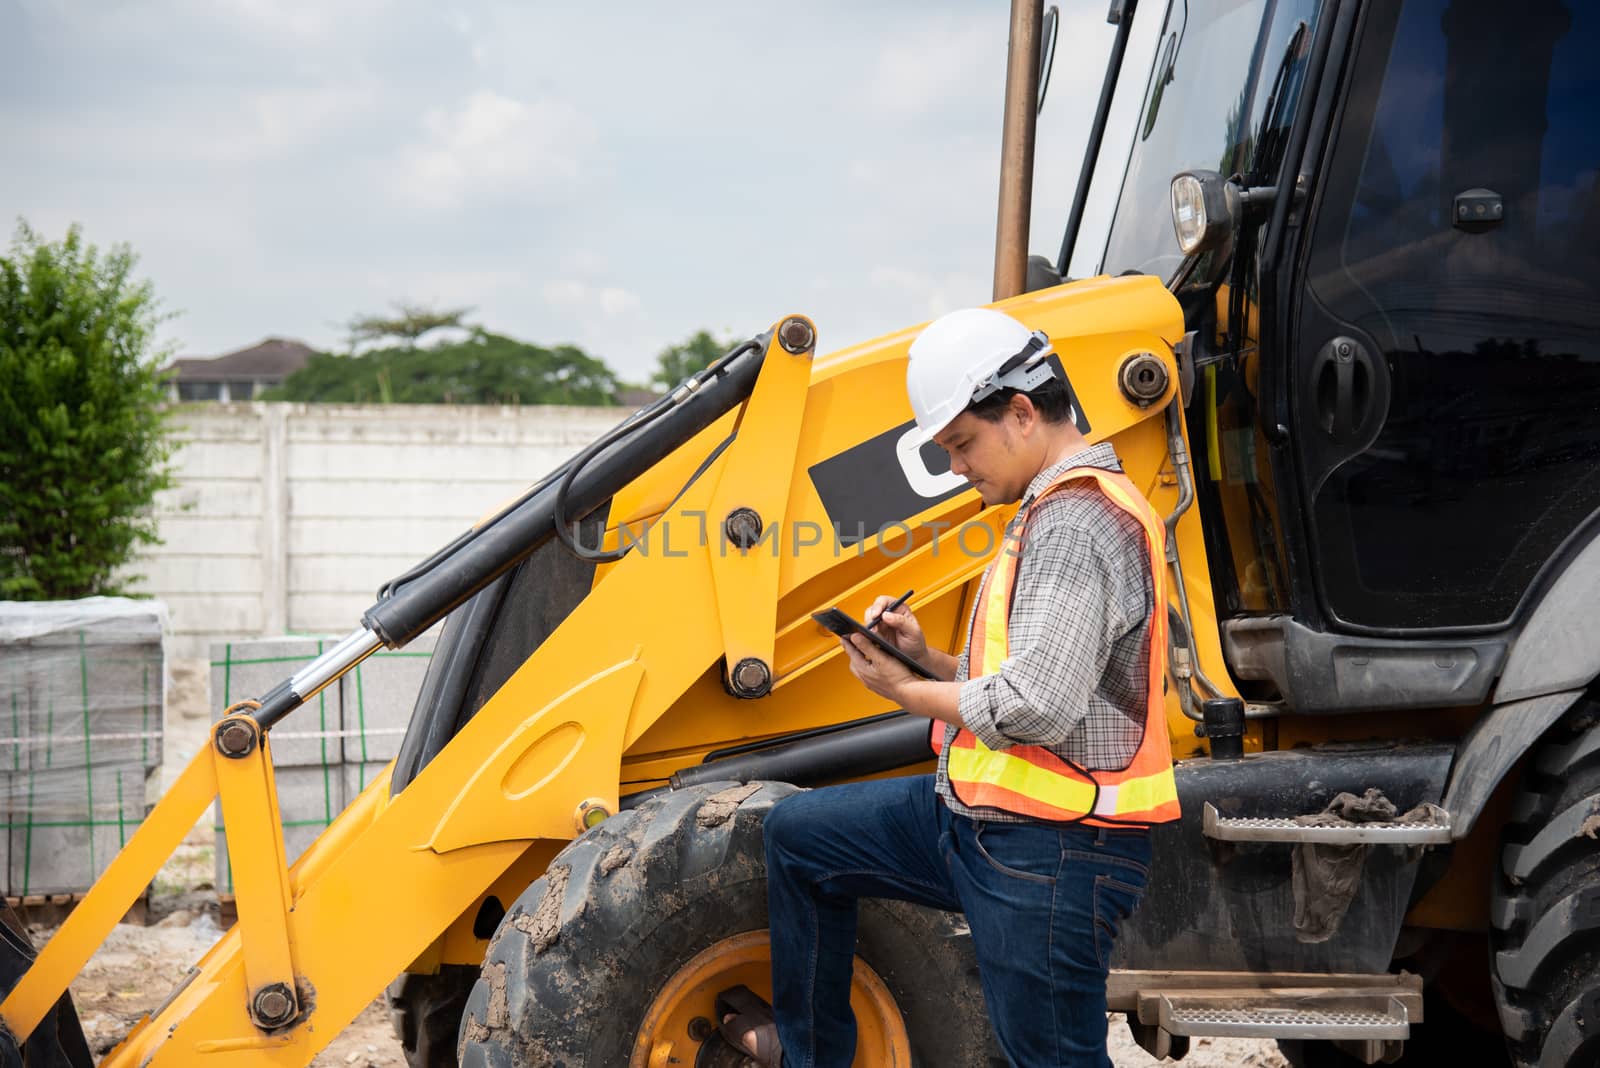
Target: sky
[[615, 175]]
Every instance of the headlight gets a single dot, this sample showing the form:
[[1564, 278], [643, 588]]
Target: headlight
[[1188, 211], [1202, 214]]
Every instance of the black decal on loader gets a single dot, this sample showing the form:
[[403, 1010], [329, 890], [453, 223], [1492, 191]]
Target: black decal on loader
[[880, 481]]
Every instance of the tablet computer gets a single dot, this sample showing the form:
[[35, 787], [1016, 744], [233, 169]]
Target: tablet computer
[[841, 623]]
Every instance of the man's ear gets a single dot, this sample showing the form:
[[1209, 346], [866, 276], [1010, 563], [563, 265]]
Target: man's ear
[[1022, 409]]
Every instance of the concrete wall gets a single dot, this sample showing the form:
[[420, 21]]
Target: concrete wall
[[287, 517]]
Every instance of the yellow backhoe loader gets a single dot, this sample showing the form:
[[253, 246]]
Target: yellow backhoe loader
[[1342, 332]]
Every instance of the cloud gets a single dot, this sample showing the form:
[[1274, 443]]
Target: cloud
[[615, 301], [283, 164], [278, 121], [224, 129], [931, 294], [612, 301], [303, 21], [565, 293], [937, 66], [494, 144]]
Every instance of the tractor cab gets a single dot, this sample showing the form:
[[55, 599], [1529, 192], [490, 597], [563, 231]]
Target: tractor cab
[[1383, 223]]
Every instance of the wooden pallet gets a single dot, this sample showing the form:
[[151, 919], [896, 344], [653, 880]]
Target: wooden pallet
[[49, 910]]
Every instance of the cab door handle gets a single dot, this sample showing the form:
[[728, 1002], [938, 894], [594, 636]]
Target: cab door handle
[[1344, 378]]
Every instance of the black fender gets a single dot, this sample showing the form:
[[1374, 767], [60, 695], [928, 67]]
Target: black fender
[[1555, 649], [1492, 747], [1552, 661]]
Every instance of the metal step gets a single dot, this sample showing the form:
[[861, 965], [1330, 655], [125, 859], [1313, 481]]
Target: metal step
[[1285, 829], [1281, 1014], [1369, 1016]]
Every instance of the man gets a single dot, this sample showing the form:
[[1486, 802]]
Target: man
[[1052, 742]]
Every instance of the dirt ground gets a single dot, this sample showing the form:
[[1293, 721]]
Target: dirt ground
[[138, 966]]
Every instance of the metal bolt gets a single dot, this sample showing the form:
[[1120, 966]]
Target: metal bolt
[[742, 527], [591, 814], [273, 1005], [751, 678], [235, 739], [1143, 378], [1344, 348], [796, 335]]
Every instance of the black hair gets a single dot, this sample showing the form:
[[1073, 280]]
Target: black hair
[[1052, 400]]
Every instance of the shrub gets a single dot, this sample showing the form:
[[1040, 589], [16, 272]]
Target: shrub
[[83, 441]]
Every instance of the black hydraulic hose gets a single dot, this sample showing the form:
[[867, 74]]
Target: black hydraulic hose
[[444, 687], [461, 539], [1122, 13], [568, 536], [564, 532], [882, 743], [499, 545]]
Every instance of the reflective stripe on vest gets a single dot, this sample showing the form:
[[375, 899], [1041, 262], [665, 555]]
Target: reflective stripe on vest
[[1029, 780]]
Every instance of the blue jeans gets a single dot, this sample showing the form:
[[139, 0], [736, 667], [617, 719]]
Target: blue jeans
[[1044, 904]]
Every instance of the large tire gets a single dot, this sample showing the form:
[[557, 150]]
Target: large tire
[[579, 961], [1545, 909], [426, 1011]]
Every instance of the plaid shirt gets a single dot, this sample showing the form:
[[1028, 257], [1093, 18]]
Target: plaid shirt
[[1079, 633]]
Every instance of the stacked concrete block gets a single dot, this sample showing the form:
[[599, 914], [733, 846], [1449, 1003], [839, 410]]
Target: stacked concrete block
[[378, 698], [80, 736], [68, 823], [326, 752], [305, 747]]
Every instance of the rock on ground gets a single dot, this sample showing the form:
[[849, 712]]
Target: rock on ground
[[1203, 1052]]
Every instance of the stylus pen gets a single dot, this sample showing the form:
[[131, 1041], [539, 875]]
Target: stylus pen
[[904, 597]]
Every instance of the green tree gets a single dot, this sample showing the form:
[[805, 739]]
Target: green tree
[[677, 362], [85, 446], [408, 323], [485, 368]]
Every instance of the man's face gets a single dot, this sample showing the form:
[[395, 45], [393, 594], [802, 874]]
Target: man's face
[[988, 455]]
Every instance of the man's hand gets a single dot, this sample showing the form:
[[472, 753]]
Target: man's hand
[[877, 670], [890, 679], [899, 628]]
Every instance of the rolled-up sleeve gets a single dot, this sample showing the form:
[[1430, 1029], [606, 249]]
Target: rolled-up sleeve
[[1065, 617]]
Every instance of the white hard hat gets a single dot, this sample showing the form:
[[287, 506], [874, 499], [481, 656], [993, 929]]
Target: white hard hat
[[964, 357]]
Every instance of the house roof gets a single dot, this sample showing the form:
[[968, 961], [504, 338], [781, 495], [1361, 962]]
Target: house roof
[[275, 357]]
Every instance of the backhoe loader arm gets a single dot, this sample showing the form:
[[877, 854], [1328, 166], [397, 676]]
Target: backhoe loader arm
[[644, 669], [499, 543], [237, 765]]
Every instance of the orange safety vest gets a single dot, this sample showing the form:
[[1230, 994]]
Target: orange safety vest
[[1029, 780]]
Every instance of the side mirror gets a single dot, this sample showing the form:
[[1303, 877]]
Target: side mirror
[[1047, 53]]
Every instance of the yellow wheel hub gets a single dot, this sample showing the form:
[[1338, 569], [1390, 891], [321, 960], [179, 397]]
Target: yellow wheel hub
[[682, 1015]]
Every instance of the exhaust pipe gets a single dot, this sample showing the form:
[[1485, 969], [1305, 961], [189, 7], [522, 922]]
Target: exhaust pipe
[[1016, 150]]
